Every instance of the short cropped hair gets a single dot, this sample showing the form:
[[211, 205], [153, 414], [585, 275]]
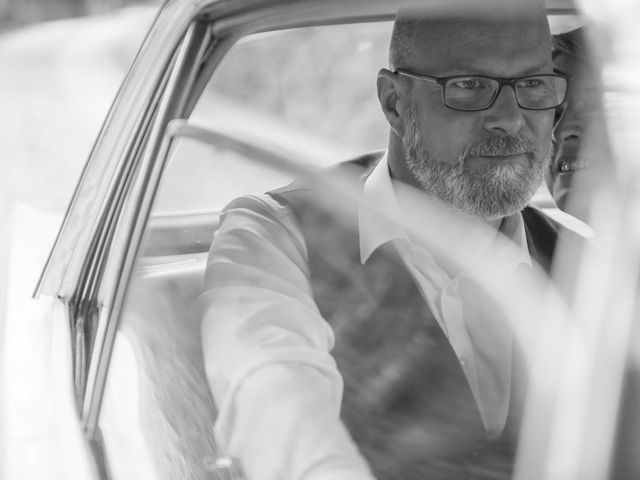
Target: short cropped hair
[[402, 44]]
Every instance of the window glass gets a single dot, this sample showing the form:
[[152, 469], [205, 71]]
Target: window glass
[[192, 181], [279, 104], [304, 97], [315, 81]]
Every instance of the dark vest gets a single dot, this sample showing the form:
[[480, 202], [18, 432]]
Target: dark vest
[[406, 401]]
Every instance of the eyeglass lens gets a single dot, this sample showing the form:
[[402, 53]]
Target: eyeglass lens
[[534, 92]]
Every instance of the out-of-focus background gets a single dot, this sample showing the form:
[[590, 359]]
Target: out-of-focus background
[[61, 64]]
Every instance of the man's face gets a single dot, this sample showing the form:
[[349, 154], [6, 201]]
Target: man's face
[[486, 163]]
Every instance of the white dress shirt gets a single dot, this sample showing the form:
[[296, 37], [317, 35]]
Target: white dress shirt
[[441, 291], [267, 348]]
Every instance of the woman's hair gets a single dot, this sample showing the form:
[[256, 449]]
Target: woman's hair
[[572, 43]]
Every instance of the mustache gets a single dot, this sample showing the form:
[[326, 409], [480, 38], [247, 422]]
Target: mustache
[[500, 146]]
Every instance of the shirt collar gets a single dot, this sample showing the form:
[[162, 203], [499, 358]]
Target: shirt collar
[[512, 227], [375, 230]]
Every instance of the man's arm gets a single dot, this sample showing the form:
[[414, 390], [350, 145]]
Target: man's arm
[[266, 351]]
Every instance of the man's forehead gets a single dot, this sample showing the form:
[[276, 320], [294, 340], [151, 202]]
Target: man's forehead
[[469, 29], [443, 40], [456, 39]]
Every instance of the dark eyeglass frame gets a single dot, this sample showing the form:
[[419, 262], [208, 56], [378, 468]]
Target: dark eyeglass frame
[[442, 81]]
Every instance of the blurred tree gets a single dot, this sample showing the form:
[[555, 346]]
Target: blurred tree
[[17, 13]]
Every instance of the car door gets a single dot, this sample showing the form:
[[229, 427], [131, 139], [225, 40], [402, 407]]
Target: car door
[[192, 127], [96, 248]]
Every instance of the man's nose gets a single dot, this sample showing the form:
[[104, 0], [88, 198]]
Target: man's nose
[[505, 117]]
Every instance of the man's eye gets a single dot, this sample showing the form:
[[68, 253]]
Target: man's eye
[[468, 83], [531, 83]]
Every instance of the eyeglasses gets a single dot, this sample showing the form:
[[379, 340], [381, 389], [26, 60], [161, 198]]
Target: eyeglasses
[[471, 93]]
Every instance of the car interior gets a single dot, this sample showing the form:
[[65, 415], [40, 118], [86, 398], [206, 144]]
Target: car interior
[[163, 310]]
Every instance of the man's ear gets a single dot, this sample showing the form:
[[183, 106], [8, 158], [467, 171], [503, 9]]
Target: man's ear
[[389, 94]]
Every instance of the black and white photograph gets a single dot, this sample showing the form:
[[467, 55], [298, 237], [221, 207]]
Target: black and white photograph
[[320, 240]]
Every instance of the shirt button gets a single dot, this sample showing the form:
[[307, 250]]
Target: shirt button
[[463, 362]]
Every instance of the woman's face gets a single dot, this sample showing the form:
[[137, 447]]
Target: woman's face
[[580, 136]]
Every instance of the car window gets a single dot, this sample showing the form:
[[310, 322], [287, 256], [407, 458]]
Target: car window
[[307, 95], [276, 106], [280, 106], [183, 188], [282, 80], [170, 363]]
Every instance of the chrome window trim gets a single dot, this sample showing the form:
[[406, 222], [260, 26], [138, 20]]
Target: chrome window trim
[[128, 228], [84, 221]]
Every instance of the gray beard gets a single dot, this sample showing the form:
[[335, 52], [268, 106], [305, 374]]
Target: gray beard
[[490, 192]]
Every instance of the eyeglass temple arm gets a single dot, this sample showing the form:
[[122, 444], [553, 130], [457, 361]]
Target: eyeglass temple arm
[[400, 71]]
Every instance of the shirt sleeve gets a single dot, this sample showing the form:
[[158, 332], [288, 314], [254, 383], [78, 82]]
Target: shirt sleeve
[[266, 350]]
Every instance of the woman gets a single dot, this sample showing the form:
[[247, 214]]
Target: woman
[[582, 159]]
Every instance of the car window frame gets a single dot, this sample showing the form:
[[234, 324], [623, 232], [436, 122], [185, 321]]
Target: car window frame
[[91, 274]]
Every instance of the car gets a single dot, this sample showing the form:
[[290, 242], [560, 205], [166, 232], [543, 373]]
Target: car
[[226, 98]]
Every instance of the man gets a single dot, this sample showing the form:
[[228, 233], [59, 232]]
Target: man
[[298, 299]]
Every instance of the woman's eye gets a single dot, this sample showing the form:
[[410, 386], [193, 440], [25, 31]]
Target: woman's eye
[[572, 166]]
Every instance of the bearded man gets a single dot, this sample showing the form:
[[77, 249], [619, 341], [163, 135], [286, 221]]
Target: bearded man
[[338, 345]]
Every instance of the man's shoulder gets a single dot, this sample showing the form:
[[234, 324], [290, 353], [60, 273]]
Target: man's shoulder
[[342, 173], [325, 207], [366, 162]]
